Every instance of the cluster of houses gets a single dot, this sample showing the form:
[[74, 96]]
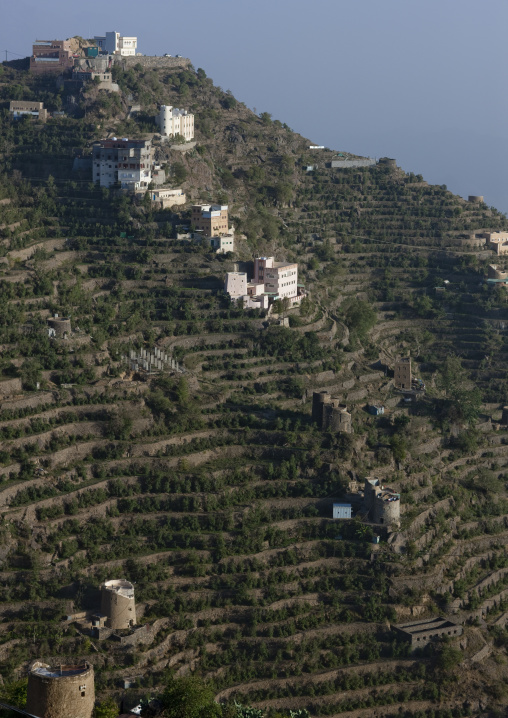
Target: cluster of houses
[[57, 56], [77, 66]]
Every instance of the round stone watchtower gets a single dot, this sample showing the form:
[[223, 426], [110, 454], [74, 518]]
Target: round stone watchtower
[[62, 691], [117, 603]]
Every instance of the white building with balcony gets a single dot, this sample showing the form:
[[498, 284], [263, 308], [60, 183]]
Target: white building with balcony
[[112, 43]]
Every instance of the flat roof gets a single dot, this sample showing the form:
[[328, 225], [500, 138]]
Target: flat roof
[[59, 671], [416, 627]]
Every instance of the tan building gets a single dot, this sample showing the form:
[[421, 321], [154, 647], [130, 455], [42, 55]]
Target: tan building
[[497, 241], [168, 197], [51, 56], [402, 374], [34, 109], [210, 219]]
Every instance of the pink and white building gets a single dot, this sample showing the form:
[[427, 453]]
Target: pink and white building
[[272, 280]]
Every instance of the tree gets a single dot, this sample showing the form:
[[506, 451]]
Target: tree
[[179, 172], [14, 693], [106, 709], [359, 317], [447, 657], [189, 697], [462, 401]]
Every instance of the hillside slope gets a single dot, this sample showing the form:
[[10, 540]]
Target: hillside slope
[[211, 489]]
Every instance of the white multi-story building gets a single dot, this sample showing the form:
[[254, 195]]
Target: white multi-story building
[[272, 280], [128, 162], [172, 121], [112, 43], [279, 278]]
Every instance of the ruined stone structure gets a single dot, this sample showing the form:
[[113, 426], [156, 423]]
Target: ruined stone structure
[[382, 504], [329, 414], [341, 164], [493, 272], [419, 633], [388, 162], [59, 327], [475, 198], [402, 374], [117, 604], [65, 691]]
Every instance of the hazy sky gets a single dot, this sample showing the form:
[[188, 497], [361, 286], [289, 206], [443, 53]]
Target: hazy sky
[[423, 81]]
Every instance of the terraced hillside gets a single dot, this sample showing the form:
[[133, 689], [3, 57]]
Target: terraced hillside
[[209, 487]]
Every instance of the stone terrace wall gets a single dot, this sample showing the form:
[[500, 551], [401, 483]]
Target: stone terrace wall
[[149, 61]]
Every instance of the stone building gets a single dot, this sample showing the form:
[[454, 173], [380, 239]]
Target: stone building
[[402, 374], [59, 327], [497, 241], [33, 109], [494, 272], [419, 633], [63, 691], [382, 504], [117, 604], [329, 414]]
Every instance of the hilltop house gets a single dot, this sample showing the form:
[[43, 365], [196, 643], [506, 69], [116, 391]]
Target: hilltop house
[[51, 56], [112, 43]]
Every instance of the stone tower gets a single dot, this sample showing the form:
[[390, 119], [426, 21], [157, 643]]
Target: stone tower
[[117, 603], [64, 691], [402, 374]]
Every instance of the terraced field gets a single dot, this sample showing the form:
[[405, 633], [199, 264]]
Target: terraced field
[[210, 488]]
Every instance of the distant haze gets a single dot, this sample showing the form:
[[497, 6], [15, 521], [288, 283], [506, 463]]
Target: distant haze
[[423, 82]]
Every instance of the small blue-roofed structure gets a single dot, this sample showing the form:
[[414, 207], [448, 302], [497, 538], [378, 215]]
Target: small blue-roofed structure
[[342, 511], [376, 409]]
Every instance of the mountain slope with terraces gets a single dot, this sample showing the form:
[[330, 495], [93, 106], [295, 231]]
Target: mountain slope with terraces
[[210, 488]]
